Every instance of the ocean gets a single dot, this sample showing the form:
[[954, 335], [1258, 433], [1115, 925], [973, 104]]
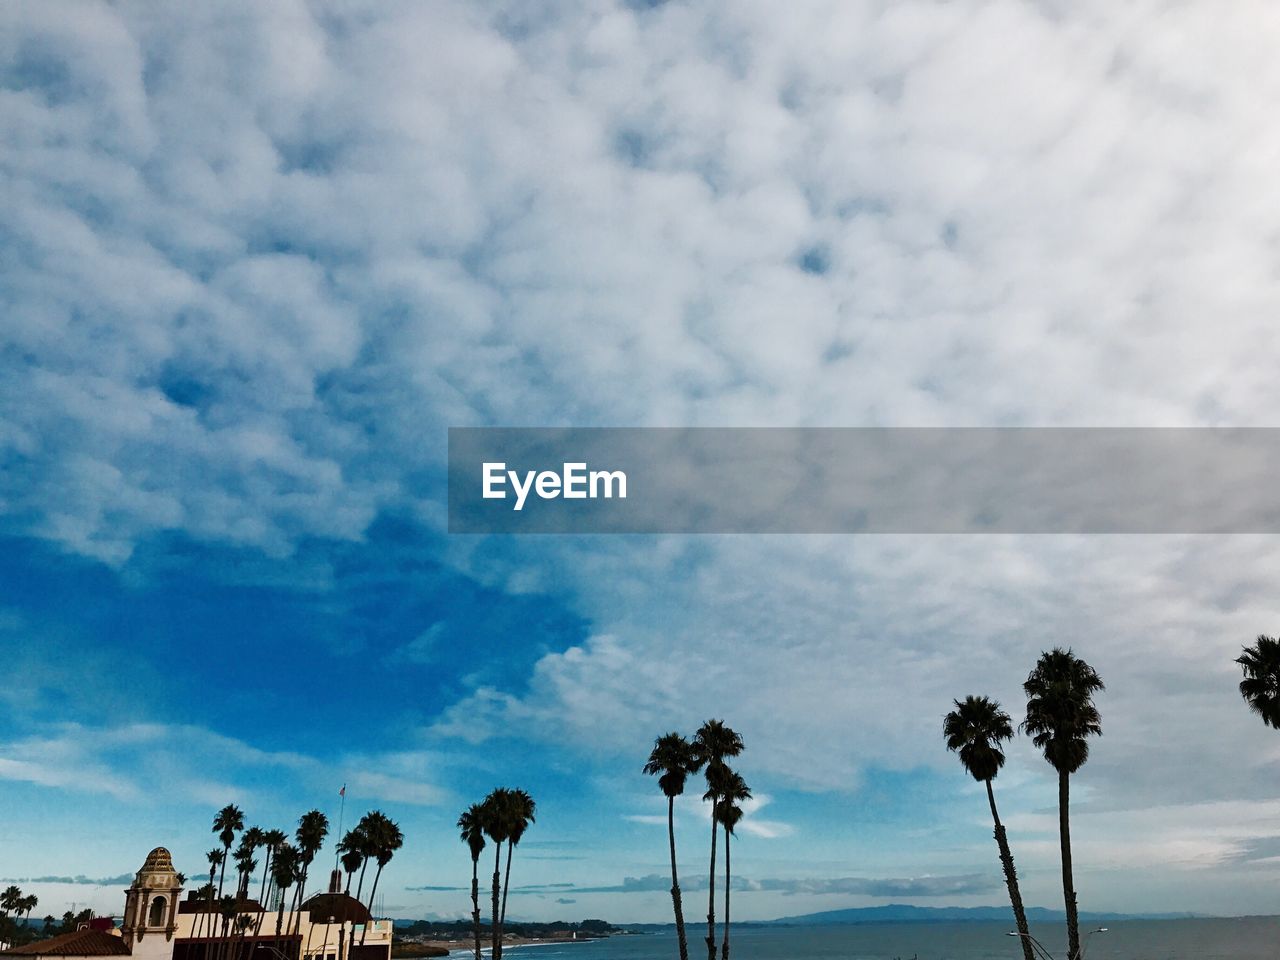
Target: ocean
[[1248, 938]]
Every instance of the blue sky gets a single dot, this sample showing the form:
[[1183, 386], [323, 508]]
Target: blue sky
[[256, 259]]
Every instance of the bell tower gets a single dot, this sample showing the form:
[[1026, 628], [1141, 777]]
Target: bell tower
[[151, 904]]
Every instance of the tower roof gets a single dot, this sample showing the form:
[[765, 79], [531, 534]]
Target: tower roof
[[157, 860]]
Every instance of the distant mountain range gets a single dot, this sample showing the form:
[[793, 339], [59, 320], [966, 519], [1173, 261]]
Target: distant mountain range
[[905, 913]]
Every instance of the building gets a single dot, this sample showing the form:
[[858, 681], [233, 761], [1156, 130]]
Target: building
[[158, 924]]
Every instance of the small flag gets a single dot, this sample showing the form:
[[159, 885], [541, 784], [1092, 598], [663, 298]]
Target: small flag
[[343, 791]]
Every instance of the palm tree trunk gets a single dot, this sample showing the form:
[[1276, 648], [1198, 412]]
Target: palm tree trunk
[[1068, 884], [360, 883], [1011, 878], [724, 948], [302, 886], [373, 891], [711, 897], [506, 881], [675, 880], [475, 900], [496, 953]]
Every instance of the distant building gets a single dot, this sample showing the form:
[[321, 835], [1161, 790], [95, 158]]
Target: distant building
[[159, 925]]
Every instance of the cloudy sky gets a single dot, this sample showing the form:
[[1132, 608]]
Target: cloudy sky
[[255, 259]]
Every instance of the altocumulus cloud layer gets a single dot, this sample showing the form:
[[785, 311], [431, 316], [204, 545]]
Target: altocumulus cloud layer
[[257, 258]]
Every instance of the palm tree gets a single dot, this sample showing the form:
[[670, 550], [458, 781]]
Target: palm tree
[[471, 825], [385, 839], [1261, 684], [731, 790], [250, 841], [272, 840], [9, 900], [360, 839], [284, 870], [975, 729], [313, 827], [226, 824], [1060, 716], [215, 858], [672, 760], [496, 817], [245, 865], [714, 743], [521, 813], [349, 849]]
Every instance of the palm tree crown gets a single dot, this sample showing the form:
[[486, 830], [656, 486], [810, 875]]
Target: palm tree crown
[[1060, 710], [672, 760], [1261, 684], [227, 823], [975, 729], [471, 828], [715, 742]]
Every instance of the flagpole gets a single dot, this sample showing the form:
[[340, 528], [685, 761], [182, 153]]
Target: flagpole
[[337, 856]]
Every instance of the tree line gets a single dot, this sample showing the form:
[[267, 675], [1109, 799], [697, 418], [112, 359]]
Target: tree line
[[286, 867]]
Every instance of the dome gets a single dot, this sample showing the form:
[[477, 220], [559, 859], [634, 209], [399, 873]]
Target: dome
[[158, 860]]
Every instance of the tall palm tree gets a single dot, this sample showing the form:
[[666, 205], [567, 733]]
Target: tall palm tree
[[496, 816], [732, 790], [245, 865], [672, 760], [360, 840], [714, 743], [1261, 684], [215, 858], [385, 839], [250, 841], [1060, 716], [272, 840], [226, 824], [471, 826], [352, 856], [284, 869], [521, 812], [313, 827], [975, 729]]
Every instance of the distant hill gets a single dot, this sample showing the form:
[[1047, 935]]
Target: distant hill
[[905, 913]]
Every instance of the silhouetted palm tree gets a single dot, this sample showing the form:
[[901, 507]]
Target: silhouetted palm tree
[[272, 840], [714, 743], [521, 809], [284, 870], [975, 729], [385, 839], [471, 826], [1060, 716], [352, 859], [226, 824], [731, 790], [495, 814], [672, 760], [360, 841], [215, 858], [313, 827], [1261, 684]]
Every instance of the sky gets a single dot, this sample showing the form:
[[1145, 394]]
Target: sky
[[256, 259]]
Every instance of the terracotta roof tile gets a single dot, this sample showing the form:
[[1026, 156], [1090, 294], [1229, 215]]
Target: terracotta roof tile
[[81, 943]]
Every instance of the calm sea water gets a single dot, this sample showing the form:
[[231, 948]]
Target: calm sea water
[[1251, 938]]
